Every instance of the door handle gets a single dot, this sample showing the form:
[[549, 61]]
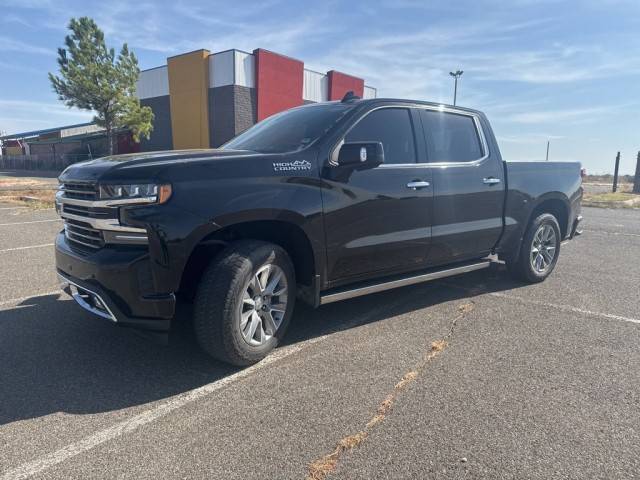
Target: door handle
[[417, 184], [491, 181]]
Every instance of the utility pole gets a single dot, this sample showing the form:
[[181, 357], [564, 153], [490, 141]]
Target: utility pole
[[636, 179], [456, 75], [547, 150], [615, 173]]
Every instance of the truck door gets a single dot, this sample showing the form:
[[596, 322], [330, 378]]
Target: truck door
[[378, 220], [468, 185]]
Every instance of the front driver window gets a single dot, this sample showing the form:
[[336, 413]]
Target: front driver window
[[392, 127]]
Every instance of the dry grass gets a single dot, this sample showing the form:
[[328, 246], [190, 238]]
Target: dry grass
[[321, 468], [38, 199], [21, 183], [406, 379], [611, 200]]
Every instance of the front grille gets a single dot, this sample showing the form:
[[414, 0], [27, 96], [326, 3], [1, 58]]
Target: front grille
[[80, 191], [91, 212], [83, 234]]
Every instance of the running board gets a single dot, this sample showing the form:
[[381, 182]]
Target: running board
[[402, 282]]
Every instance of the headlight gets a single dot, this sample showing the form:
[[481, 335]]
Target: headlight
[[136, 193]]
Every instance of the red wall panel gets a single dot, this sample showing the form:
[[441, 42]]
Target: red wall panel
[[340, 83], [278, 82]]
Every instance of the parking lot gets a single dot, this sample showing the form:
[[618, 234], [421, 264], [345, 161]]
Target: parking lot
[[476, 376]]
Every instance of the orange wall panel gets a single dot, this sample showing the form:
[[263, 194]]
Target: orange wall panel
[[188, 88]]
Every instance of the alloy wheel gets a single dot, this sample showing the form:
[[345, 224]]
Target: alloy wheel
[[264, 304], [543, 249]]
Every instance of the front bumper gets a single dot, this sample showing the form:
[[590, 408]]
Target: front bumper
[[116, 284]]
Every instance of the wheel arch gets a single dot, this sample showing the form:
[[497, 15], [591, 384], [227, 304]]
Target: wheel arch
[[555, 203], [285, 230]]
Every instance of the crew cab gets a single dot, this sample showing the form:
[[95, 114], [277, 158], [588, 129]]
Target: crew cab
[[323, 202]]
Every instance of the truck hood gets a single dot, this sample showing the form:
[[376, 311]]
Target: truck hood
[[142, 165]]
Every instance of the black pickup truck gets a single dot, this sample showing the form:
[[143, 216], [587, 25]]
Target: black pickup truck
[[322, 202]]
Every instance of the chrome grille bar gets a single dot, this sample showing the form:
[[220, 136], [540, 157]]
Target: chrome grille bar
[[91, 222]]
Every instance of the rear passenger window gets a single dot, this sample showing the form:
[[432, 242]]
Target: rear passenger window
[[450, 137], [392, 127]]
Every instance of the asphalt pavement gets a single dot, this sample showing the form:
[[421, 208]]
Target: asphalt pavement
[[475, 376]]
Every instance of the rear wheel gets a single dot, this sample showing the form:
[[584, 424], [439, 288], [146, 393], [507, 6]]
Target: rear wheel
[[244, 302], [539, 251]]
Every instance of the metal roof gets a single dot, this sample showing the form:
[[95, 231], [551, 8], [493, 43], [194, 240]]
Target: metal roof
[[35, 133]]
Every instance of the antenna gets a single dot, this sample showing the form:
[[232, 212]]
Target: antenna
[[349, 97]]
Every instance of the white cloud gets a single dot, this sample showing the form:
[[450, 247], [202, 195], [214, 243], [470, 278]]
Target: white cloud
[[529, 138], [12, 45], [17, 19], [574, 115], [20, 115]]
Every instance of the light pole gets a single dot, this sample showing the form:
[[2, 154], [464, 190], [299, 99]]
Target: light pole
[[548, 150], [457, 74]]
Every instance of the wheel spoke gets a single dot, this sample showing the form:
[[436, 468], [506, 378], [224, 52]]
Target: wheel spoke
[[273, 283], [247, 300], [261, 333], [270, 326], [263, 277], [253, 325], [253, 288], [548, 234], [245, 318], [279, 307]]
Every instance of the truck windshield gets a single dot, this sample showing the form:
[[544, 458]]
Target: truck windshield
[[291, 130]]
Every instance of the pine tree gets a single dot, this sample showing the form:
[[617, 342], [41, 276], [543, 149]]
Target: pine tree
[[93, 78]]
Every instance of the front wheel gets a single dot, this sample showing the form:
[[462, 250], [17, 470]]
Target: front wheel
[[244, 302], [539, 251]]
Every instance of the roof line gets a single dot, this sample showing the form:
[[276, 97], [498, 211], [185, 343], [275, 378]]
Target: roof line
[[34, 133]]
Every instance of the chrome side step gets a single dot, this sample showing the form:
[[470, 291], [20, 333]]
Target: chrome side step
[[402, 282]]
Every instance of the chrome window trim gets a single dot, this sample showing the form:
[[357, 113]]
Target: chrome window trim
[[479, 132], [333, 156], [441, 108]]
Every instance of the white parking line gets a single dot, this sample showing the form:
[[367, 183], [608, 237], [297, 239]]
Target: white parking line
[[26, 248], [566, 308], [121, 428], [614, 233], [32, 221]]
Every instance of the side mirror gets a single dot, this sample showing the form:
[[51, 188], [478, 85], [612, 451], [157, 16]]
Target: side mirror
[[370, 154]]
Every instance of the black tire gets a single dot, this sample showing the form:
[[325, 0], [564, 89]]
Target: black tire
[[218, 302], [521, 268]]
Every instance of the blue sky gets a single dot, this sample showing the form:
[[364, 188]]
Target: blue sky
[[567, 71]]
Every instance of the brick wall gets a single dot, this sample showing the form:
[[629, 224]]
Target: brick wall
[[232, 109], [161, 137]]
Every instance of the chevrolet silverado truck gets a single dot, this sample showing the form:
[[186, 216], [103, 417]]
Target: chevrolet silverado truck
[[319, 203]]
